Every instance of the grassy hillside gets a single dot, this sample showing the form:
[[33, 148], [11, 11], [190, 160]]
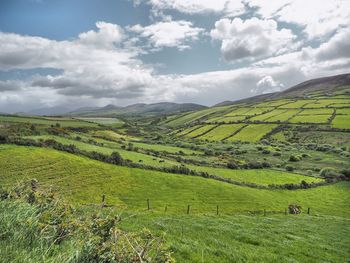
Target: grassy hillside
[[329, 110], [83, 181]]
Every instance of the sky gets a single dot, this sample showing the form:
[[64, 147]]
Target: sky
[[64, 53]]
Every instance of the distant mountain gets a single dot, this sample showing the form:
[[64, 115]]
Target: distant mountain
[[326, 85], [58, 110], [138, 109]]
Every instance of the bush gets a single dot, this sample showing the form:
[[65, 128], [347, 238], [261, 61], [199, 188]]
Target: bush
[[289, 168], [294, 158], [232, 165], [329, 172]]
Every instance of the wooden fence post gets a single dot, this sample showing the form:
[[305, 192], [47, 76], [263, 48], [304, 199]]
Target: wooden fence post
[[308, 210], [217, 210], [188, 209], [103, 203], [148, 206]]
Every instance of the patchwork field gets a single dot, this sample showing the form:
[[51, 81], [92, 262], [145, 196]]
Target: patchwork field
[[221, 132], [252, 132], [63, 122]]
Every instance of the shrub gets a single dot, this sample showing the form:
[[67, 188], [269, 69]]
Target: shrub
[[289, 168], [232, 165], [329, 172], [294, 158]]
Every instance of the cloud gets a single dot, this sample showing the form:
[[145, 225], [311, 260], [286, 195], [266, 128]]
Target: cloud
[[267, 85], [10, 85], [91, 72], [168, 33], [251, 38], [317, 18], [227, 7], [107, 36], [337, 47]]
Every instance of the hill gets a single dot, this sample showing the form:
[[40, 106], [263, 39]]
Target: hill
[[138, 109], [325, 85]]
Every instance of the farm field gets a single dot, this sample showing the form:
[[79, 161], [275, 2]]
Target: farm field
[[82, 181], [255, 181], [310, 119], [221, 132], [128, 155], [200, 131], [341, 122], [103, 121], [253, 132], [260, 177], [64, 122]]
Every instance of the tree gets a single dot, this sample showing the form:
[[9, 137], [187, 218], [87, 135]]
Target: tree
[[115, 158]]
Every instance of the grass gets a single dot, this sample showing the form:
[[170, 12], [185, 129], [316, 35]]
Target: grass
[[253, 132], [345, 111], [310, 119], [260, 176], [113, 136], [64, 122], [226, 119], [104, 121], [164, 148], [83, 181], [341, 122], [297, 104], [272, 239], [127, 155], [200, 130], [221, 132], [190, 117], [284, 116], [268, 115], [324, 111]]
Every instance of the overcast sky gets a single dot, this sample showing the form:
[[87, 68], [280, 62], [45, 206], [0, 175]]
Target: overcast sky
[[97, 52]]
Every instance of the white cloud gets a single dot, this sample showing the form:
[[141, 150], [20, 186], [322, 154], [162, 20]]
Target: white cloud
[[169, 33], [227, 7], [251, 38], [106, 37], [99, 73], [318, 18], [267, 85]]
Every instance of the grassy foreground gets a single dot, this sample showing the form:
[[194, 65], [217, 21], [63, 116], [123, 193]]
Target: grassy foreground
[[83, 181]]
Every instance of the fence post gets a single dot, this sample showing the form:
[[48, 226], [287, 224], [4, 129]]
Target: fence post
[[308, 210], [188, 209], [217, 210], [103, 200], [148, 206]]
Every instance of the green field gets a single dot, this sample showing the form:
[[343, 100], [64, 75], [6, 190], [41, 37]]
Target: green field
[[190, 117], [83, 181], [221, 132], [226, 119], [310, 119], [297, 104], [63, 122], [260, 177], [104, 121], [253, 132], [109, 149], [341, 122], [199, 131]]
